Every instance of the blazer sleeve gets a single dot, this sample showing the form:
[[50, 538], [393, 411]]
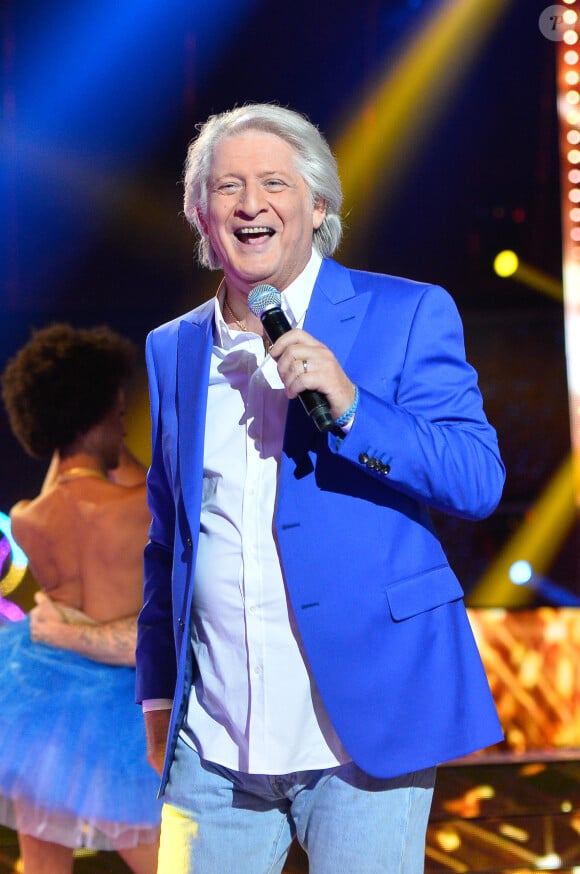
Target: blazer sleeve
[[156, 656], [420, 426]]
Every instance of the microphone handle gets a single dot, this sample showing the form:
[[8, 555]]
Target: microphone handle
[[314, 402]]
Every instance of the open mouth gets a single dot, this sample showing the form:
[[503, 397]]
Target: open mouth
[[253, 235]]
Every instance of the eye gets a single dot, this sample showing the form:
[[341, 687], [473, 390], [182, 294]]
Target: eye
[[274, 184], [227, 187]]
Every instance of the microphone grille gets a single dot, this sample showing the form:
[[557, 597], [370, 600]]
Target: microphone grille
[[264, 297]]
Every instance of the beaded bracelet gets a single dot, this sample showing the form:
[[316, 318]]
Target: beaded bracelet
[[342, 420]]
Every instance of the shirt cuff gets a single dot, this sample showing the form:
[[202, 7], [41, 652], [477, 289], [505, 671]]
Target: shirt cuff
[[156, 704], [346, 428]]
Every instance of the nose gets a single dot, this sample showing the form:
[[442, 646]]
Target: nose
[[252, 199]]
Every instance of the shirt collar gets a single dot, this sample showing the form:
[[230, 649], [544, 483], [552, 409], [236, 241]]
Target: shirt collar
[[295, 300], [296, 297]]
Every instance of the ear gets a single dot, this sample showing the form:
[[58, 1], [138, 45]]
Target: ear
[[318, 212], [202, 221]]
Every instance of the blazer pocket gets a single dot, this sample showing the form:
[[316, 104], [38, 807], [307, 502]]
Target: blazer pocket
[[423, 592]]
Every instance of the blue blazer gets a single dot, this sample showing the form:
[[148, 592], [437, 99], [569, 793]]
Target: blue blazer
[[379, 609]]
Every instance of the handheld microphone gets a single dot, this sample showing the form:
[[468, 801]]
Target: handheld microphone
[[265, 301]]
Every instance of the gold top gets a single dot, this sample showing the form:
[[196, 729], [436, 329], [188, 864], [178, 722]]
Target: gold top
[[76, 472]]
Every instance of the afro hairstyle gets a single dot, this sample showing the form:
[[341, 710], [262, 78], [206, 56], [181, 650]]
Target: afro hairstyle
[[63, 381]]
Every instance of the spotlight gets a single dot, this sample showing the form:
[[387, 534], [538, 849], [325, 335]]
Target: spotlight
[[506, 263], [521, 573]]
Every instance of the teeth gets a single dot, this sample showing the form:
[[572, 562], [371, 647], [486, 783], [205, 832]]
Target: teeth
[[253, 231]]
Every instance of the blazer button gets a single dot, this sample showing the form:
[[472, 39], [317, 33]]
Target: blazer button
[[363, 458], [181, 623], [189, 542], [385, 468]]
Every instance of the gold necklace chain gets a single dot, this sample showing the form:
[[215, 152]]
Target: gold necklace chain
[[243, 327], [241, 324]]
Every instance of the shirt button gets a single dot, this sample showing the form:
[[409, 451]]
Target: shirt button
[[257, 670], [253, 609]]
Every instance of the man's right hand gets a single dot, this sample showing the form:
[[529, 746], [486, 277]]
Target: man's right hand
[[157, 729]]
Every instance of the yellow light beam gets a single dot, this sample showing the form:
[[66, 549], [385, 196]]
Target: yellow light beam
[[537, 540], [383, 135], [508, 265]]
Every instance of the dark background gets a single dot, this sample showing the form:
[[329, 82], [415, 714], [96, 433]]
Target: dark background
[[100, 100]]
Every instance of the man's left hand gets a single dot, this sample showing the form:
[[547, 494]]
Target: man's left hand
[[47, 620]]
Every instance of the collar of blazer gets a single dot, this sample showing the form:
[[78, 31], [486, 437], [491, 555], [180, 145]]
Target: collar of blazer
[[335, 311], [334, 316]]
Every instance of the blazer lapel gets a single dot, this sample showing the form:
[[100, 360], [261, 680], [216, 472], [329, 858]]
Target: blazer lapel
[[334, 317], [336, 311], [194, 345]]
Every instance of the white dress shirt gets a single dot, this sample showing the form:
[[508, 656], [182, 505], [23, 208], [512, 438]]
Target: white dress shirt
[[254, 707]]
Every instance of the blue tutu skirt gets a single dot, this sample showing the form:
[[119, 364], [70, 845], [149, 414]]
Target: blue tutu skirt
[[73, 767]]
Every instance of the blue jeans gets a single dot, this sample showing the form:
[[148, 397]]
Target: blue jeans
[[218, 821]]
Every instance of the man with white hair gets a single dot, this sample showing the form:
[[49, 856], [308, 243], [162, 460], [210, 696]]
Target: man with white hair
[[301, 623]]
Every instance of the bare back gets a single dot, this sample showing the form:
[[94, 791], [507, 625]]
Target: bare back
[[84, 539]]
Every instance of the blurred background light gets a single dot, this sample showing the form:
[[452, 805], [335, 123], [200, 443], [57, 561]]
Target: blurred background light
[[14, 562]]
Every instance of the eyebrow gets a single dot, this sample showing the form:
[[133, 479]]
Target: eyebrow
[[262, 175]]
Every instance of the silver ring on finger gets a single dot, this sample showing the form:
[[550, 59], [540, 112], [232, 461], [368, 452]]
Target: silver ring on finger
[[305, 365]]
